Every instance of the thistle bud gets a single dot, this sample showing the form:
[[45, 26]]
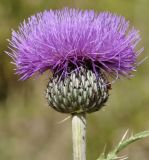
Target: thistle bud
[[81, 91]]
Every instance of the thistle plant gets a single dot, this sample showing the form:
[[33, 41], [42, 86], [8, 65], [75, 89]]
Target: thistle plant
[[85, 51]]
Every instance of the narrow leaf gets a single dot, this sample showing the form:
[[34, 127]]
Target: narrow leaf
[[123, 144]]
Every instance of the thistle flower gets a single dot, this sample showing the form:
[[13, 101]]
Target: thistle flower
[[79, 47]]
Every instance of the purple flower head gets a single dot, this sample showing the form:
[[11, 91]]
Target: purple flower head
[[64, 40]]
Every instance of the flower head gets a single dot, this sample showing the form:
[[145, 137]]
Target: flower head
[[64, 40]]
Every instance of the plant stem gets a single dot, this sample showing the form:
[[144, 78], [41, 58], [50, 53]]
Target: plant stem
[[79, 136]]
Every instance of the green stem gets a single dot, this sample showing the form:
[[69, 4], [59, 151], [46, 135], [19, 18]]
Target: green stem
[[79, 136]]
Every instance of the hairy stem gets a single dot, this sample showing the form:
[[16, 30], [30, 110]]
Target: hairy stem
[[79, 136]]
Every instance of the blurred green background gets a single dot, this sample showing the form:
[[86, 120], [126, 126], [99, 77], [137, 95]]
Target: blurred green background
[[29, 129]]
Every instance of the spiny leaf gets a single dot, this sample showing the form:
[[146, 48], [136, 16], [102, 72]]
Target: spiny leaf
[[123, 144]]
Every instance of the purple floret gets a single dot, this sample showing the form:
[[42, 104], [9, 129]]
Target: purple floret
[[63, 40]]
